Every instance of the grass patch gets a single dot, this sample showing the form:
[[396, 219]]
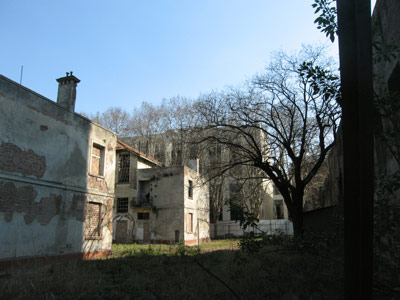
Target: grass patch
[[162, 272], [126, 250]]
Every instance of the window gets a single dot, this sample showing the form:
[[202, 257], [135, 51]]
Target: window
[[122, 205], [190, 189], [93, 221], [143, 216], [189, 223], [97, 163], [279, 209], [123, 167]]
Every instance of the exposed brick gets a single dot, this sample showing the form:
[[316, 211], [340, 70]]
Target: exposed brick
[[14, 159], [7, 194], [93, 221], [22, 200]]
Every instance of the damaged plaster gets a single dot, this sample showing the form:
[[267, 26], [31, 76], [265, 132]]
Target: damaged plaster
[[14, 159]]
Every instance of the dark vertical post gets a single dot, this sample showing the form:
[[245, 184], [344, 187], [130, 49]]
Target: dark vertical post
[[354, 25]]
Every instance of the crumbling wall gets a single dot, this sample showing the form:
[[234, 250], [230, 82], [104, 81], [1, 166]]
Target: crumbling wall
[[45, 183]]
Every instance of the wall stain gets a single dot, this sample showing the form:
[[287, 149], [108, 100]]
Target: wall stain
[[51, 115], [77, 209], [48, 208], [73, 165], [14, 159]]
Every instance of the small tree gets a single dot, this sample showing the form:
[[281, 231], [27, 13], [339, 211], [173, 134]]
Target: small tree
[[284, 123]]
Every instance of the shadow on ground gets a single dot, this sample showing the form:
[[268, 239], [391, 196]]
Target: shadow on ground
[[224, 274]]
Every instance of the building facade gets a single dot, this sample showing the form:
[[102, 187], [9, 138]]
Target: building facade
[[157, 204], [57, 172]]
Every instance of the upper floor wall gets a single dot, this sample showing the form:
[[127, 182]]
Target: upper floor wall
[[42, 140]]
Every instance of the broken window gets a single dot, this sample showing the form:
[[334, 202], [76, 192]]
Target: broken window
[[190, 189], [189, 223], [93, 221], [122, 205], [143, 216], [123, 168], [97, 163]]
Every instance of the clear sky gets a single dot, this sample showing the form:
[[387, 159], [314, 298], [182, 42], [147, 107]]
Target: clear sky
[[129, 51]]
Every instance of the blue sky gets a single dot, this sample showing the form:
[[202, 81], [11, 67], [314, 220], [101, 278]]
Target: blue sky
[[128, 51]]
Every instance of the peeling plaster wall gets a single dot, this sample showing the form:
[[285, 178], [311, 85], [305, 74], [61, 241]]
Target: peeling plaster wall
[[45, 184], [169, 194]]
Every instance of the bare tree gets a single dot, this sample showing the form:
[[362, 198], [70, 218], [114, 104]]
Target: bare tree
[[284, 123], [114, 118]]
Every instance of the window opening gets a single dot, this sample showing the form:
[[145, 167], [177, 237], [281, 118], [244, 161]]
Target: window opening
[[189, 223], [93, 221], [279, 209], [190, 189], [122, 205], [97, 164], [123, 168], [143, 216]]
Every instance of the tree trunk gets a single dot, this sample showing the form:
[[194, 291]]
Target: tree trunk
[[215, 230], [296, 214], [298, 224]]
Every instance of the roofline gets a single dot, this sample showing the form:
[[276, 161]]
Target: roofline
[[52, 102], [138, 153]]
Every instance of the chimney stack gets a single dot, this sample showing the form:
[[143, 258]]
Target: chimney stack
[[194, 164], [67, 91]]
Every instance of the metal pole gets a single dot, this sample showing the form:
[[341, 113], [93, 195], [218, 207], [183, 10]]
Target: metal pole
[[22, 70], [354, 26]]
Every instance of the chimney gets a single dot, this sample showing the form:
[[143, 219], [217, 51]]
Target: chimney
[[194, 164], [67, 91]]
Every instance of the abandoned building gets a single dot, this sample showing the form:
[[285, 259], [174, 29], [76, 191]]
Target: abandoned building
[[129, 160], [157, 204], [57, 172], [170, 148]]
